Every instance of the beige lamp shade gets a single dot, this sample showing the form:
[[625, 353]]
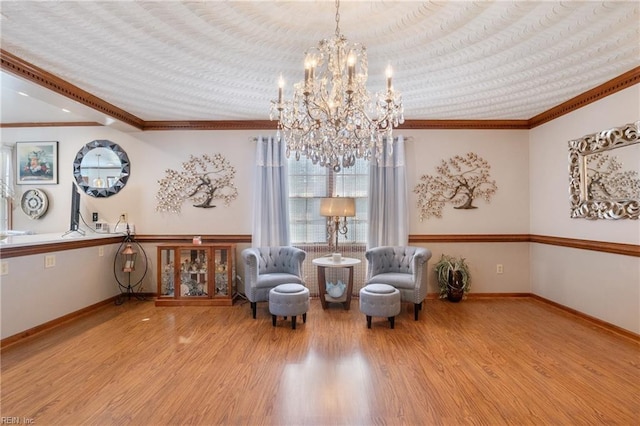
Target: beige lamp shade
[[338, 206]]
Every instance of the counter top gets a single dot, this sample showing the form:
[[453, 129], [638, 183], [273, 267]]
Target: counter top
[[22, 245], [35, 239]]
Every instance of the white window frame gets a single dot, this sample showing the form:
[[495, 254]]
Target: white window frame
[[350, 182]]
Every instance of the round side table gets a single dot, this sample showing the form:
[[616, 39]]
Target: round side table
[[327, 262]]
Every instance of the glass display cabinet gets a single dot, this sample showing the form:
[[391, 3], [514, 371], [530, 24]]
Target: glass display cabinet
[[195, 274]]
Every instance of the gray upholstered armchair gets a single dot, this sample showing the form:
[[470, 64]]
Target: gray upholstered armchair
[[404, 268], [268, 267]]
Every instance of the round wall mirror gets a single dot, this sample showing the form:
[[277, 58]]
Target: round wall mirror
[[101, 168]]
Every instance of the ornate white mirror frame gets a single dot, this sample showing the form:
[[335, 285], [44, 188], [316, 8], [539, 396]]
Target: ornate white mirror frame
[[599, 186]]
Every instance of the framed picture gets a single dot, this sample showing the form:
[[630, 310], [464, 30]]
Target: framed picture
[[37, 163]]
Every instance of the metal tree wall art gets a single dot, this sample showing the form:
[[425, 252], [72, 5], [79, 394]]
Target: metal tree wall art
[[459, 181], [606, 179], [202, 180]]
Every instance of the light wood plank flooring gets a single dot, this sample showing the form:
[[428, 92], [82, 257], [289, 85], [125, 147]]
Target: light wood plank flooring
[[481, 362]]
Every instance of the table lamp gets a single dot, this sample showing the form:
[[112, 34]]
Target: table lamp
[[337, 209]]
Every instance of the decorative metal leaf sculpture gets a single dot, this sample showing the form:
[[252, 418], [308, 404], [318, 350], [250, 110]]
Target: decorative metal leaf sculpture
[[607, 179], [460, 180], [202, 180]]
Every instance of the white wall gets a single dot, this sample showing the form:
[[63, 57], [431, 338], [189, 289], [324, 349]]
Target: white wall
[[150, 153], [597, 284], [602, 285], [549, 177], [482, 259], [506, 153], [155, 152], [530, 168], [31, 295], [507, 213]]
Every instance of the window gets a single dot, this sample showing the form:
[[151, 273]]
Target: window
[[308, 183], [6, 188]]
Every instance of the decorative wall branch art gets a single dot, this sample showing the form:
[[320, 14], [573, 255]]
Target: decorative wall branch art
[[459, 181], [600, 186], [202, 180]]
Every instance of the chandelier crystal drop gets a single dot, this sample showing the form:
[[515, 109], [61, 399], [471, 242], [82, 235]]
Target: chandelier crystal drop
[[332, 119]]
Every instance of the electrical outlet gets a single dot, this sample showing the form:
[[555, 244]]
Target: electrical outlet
[[100, 251], [49, 261], [499, 268], [124, 217], [5, 268]]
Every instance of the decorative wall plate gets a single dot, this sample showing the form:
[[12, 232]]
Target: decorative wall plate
[[34, 203]]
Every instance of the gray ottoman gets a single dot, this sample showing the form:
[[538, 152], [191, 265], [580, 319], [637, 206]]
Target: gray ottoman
[[380, 300], [289, 300]]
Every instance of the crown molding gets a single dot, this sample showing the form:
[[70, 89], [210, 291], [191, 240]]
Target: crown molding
[[628, 79], [14, 65], [211, 125], [464, 124]]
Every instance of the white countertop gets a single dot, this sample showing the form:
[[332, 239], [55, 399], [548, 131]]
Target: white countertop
[[54, 237]]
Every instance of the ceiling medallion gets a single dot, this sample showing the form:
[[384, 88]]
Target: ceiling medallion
[[332, 119]]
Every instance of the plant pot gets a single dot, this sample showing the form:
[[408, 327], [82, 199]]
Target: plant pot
[[455, 286]]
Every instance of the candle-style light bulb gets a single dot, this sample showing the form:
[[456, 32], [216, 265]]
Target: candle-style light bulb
[[312, 67], [280, 87], [351, 66], [307, 68], [389, 74]]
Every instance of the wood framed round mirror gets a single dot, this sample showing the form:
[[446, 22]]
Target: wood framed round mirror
[[101, 168]]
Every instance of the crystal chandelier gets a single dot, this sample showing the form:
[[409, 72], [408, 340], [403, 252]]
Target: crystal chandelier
[[332, 119]]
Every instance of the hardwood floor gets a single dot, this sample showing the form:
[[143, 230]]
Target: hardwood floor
[[483, 361]]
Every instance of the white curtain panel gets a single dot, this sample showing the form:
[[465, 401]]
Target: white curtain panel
[[388, 210], [271, 197], [7, 186], [8, 176]]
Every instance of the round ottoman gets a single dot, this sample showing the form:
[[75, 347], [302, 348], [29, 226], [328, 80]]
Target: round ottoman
[[380, 300], [289, 300]]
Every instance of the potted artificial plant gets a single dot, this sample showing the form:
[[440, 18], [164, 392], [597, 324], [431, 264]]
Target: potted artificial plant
[[453, 277]]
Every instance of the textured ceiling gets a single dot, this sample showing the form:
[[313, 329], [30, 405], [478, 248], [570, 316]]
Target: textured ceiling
[[206, 60]]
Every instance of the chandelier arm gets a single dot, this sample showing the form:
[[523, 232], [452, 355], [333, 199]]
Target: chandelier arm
[[298, 126], [385, 125], [314, 109], [359, 136], [324, 101], [367, 119]]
